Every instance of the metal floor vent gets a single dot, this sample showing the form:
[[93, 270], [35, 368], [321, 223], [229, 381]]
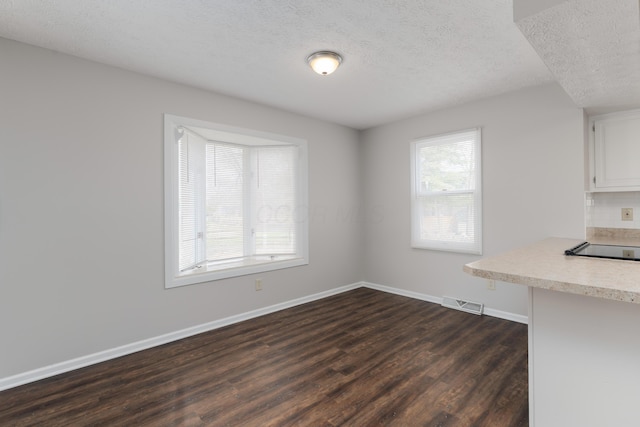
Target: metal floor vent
[[462, 305]]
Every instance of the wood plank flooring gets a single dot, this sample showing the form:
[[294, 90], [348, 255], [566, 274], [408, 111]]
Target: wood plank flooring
[[361, 358]]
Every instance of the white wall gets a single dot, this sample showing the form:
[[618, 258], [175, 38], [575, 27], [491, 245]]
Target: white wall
[[533, 188], [81, 209], [584, 356]]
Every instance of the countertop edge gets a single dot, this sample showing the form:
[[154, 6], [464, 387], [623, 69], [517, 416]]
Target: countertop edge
[[557, 273]]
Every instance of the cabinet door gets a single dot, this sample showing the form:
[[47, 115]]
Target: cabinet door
[[617, 152]]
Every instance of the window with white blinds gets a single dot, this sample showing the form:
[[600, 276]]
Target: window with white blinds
[[446, 202], [233, 201]]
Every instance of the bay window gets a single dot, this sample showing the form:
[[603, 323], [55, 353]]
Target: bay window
[[235, 201]]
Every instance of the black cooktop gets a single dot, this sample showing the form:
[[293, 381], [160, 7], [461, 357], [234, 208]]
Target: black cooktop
[[605, 251]]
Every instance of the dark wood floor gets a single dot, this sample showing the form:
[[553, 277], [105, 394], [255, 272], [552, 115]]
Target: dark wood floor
[[361, 358]]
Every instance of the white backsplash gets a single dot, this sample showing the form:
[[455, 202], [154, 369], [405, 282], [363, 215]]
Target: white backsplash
[[604, 209]]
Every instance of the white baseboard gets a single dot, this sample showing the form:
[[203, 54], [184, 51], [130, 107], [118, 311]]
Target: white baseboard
[[91, 359], [438, 300], [520, 318]]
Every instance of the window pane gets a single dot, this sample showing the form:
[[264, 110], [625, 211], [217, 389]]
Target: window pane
[[275, 200], [447, 218], [447, 167], [224, 206], [190, 191], [187, 207]]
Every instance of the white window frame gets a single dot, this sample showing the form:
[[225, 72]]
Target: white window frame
[[173, 127], [417, 241]]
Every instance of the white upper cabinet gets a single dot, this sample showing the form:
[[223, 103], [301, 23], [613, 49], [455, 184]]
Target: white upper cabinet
[[614, 147]]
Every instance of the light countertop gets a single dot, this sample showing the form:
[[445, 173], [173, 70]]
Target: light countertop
[[544, 265]]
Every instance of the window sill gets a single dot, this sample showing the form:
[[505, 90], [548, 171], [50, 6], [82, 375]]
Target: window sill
[[224, 270]]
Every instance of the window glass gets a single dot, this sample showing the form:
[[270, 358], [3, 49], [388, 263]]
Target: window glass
[[225, 210]]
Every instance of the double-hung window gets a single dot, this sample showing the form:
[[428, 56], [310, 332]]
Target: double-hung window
[[235, 201], [446, 202]]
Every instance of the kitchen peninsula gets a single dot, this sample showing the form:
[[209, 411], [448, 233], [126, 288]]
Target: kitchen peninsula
[[584, 338]]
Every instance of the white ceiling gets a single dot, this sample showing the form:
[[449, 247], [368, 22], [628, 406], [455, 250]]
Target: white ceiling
[[401, 57]]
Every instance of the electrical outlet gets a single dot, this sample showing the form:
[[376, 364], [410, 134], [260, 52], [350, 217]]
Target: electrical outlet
[[258, 284], [491, 285], [627, 214]]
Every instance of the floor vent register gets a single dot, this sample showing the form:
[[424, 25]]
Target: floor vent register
[[462, 305]]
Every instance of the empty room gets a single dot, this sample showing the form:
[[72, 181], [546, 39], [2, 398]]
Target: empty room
[[335, 213]]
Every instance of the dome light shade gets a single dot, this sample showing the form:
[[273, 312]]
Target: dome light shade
[[324, 62]]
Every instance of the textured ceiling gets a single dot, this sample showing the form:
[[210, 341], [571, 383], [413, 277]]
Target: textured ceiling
[[592, 47], [401, 57]]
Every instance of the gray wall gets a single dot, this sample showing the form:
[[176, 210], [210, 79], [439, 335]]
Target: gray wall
[[533, 188], [81, 209]]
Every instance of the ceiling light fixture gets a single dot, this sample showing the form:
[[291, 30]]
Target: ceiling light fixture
[[324, 62]]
